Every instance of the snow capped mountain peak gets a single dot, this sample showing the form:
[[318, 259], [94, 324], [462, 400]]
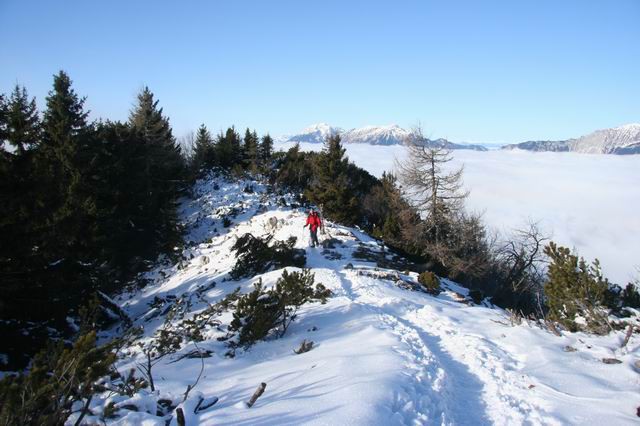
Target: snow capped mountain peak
[[390, 134], [623, 139], [316, 133], [322, 128], [617, 140], [377, 135], [631, 127]]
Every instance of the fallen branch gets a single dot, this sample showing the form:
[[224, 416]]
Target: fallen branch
[[257, 394], [205, 404]]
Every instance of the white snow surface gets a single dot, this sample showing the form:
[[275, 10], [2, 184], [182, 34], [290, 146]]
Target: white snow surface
[[382, 355]]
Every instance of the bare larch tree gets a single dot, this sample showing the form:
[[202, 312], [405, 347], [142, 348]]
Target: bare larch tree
[[435, 192]]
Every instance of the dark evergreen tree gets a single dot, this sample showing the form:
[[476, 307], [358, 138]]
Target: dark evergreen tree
[[332, 188], [154, 129], [67, 206], [266, 150], [164, 173], [20, 128], [204, 157], [250, 151], [294, 171], [22, 124], [3, 121], [229, 149], [47, 265]]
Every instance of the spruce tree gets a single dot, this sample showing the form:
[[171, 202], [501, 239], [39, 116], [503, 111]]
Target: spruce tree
[[3, 121], [64, 195], [228, 149], [250, 151], [22, 124], [204, 150], [332, 188], [266, 150], [294, 171], [154, 129], [21, 129], [164, 171]]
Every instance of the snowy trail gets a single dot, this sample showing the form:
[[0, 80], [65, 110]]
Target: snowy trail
[[384, 354], [440, 365]]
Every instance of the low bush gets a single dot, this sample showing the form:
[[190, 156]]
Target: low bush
[[576, 292], [256, 256], [58, 378], [430, 282], [476, 296], [263, 312]]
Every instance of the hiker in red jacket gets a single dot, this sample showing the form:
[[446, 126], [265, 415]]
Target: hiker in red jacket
[[314, 222]]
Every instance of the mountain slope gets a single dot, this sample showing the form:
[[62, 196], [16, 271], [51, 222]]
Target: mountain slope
[[316, 133], [385, 352], [372, 135], [618, 140], [377, 135]]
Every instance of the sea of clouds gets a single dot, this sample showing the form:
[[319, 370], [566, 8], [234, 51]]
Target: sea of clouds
[[587, 202]]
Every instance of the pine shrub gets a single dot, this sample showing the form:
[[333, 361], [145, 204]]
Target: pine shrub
[[57, 379], [630, 296], [263, 312], [476, 295], [430, 282], [256, 256], [575, 289]]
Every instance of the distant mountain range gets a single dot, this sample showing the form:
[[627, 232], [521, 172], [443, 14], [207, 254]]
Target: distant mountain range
[[373, 135], [618, 140]]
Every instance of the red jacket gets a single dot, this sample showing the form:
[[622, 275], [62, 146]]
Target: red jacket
[[314, 222]]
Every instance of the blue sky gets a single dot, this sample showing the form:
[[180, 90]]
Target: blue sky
[[466, 70]]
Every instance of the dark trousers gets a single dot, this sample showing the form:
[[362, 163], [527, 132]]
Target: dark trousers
[[314, 237]]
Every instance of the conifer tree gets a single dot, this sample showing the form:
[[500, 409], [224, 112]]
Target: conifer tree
[[204, 150], [294, 171], [250, 151], [64, 193], [266, 149], [64, 121], [574, 288], [154, 129], [435, 192], [332, 188], [229, 149], [164, 171], [438, 196], [3, 121], [22, 124]]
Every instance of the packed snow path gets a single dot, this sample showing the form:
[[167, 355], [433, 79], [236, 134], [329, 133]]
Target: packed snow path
[[384, 353]]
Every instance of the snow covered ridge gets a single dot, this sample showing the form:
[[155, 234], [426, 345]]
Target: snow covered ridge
[[373, 135], [618, 140], [384, 352]]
